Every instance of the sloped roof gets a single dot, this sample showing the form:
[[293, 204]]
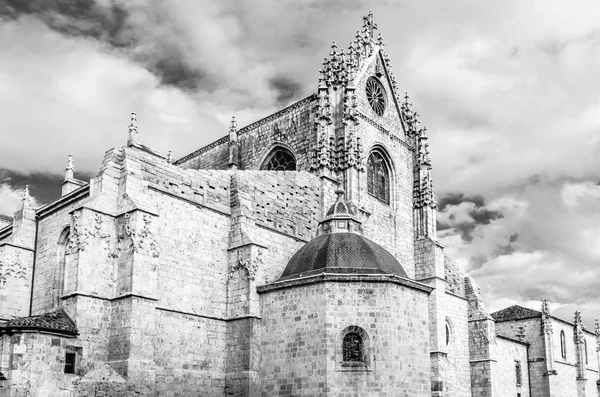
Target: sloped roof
[[515, 312], [57, 321]]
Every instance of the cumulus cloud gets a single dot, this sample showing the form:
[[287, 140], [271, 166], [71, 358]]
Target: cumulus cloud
[[503, 88]]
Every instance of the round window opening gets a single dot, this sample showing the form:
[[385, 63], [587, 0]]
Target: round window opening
[[376, 95]]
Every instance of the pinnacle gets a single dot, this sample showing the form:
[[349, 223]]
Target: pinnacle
[[133, 129], [70, 165], [233, 126]]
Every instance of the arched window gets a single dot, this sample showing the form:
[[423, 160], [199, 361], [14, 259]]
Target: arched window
[[280, 159], [353, 348], [59, 273], [563, 345], [585, 349], [378, 177]]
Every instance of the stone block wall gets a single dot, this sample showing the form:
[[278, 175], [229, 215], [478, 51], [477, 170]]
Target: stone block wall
[[455, 368], [302, 337], [507, 353], [38, 365], [291, 127]]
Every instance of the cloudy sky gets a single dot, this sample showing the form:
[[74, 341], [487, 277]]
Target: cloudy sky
[[509, 91]]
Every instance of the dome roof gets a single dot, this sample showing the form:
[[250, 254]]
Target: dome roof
[[342, 253]]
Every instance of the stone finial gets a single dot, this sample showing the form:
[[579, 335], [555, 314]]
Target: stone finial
[[26, 197], [133, 129], [369, 24], [380, 40], [334, 47], [233, 136], [170, 157], [340, 194], [70, 168]]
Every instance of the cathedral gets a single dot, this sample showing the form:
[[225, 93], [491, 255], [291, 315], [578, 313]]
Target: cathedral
[[295, 256]]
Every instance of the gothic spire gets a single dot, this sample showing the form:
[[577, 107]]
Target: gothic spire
[[133, 130], [234, 150]]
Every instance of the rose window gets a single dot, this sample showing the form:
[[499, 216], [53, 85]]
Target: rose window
[[376, 95]]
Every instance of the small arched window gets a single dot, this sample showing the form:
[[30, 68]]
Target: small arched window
[[585, 349], [378, 177], [563, 345], [280, 159], [448, 332], [353, 349], [60, 271]]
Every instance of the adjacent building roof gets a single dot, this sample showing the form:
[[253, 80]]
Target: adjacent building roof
[[5, 219], [57, 322], [342, 253], [515, 312]]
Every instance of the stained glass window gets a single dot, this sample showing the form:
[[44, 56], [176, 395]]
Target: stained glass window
[[563, 347], [353, 347], [280, 160], [519, 373], [378, 177]]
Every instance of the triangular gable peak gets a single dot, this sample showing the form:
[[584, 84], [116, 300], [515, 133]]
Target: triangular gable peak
[[365, 55]]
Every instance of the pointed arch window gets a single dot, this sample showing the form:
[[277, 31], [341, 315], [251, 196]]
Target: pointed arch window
[[378, 177], [563, 345], [280, 159], [61, 266], [585, 350]]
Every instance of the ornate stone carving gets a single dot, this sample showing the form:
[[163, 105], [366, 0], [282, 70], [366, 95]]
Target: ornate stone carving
[[479, 335], [80, 235], [146, 240], [250, 266], [11, 270], [78, 238]]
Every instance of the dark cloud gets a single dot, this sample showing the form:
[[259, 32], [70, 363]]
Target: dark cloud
[[286, 88], [109, 23], [457, 198], [44, 187], [73, 18], [478, 213]]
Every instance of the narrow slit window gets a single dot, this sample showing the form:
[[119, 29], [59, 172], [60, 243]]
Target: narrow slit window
[[519, 373]]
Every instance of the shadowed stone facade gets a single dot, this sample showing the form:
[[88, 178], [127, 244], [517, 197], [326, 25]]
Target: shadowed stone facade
[[295, 256]]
